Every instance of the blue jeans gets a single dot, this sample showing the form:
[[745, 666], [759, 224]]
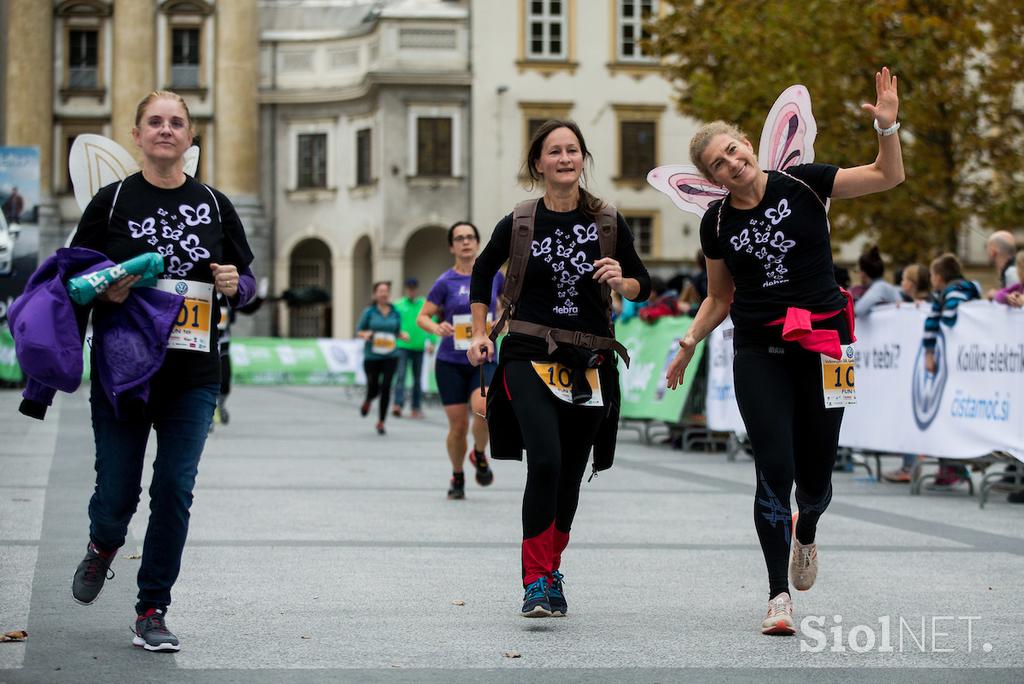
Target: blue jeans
[[407, 358], [182, 420]]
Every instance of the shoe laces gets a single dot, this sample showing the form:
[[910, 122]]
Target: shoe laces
[[804, 555], [479, 460], [779, 605], [97, 565], [556, 581], [155, 623], [537, 589]]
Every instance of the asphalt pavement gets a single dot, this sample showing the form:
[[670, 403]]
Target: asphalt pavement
[[320, 551]]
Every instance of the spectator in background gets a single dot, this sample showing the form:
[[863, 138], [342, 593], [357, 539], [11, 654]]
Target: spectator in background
[[916, 283], [842, 276], [877, 289], [13, 206], [1001, 247], [662, 302], [410, 352], [1013, 295], [948, 279], [695, 288]]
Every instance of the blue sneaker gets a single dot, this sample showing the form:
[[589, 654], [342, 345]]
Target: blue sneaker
[[535, 601], [556, 596]]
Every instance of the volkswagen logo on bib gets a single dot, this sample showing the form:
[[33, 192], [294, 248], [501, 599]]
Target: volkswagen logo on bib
[[927, 387], [181, 287]]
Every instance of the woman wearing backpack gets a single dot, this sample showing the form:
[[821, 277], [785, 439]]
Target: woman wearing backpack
[[555, 391]]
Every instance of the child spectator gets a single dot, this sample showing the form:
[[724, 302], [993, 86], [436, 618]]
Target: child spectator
[[877, 289]]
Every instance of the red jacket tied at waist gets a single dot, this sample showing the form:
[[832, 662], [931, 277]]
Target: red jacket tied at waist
[[797, 326]]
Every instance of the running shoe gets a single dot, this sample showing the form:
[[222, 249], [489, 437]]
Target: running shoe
[[457, 488], [901, 475], [556, 596], [803, 564], [779, 620], [151, 632], [536, 602], [417, 414], [397, 412], [380, 428], [91, 573], [484, 474], [364, 409]]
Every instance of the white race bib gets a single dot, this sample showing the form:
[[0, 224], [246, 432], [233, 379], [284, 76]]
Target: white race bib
[[463, 325], [558, 379], [192, 329], [838, 385], [383, 343]]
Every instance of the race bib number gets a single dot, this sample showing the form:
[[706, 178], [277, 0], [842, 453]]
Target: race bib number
[[558, 379], [383, 343], [838, 384], [192, 329], [463, 325]]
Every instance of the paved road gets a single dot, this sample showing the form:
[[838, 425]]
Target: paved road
[[320, 551]]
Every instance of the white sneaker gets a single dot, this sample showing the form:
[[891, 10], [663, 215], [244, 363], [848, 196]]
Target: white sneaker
[[779, 619], [803, 565]]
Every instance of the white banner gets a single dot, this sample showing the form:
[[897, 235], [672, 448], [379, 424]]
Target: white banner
[[972, 405]]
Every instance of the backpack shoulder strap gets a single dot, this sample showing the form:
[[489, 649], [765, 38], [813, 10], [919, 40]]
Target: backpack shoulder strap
[[518, 255], [607, 234]]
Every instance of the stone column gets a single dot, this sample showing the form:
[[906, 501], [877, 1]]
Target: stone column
[[29, 102], [236, 137], [134, 66]]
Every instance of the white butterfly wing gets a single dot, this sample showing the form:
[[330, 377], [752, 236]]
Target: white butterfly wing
[[96, 161], [789, 131], [192, 160], [684, 185]]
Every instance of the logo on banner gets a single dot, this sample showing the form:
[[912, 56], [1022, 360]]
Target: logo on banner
[[926, 391]]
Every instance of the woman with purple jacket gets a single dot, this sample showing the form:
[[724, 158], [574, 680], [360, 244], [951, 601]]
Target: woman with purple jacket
[[196, 229]]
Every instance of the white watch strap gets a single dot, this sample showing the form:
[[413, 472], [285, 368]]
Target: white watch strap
[[884, 132]]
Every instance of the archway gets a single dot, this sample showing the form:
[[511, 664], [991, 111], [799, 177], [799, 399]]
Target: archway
[[310, 270], [362, 277], [425, 257]]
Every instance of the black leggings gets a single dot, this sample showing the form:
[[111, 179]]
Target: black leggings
[[558, 437], [794, 437], [379, 374]]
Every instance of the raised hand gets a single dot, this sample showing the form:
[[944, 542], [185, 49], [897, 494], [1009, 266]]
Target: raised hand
[[887, 101]]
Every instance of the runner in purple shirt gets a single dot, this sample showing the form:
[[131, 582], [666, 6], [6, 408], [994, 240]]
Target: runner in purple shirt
[[457, 380]]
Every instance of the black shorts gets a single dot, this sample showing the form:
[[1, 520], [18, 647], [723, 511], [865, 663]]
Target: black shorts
[[457, 381]]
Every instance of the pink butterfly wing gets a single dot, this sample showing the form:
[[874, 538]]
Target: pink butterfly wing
[[684, 185], [789, 131]]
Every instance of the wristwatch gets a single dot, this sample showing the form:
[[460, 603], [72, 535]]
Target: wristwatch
[[885, 132]]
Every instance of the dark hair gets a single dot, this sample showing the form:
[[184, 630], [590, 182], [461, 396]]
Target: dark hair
[[378, 284], [451, 231], [842, 276], [871, 263], [589, 204], [947, 267]]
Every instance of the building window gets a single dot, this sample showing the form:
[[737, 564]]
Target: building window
[[83, 59], [637, 146], [535, 114], [185, 58], [642, 227], [364, 171], [434, 146], [633, 17], [312, 161], [546, 29]]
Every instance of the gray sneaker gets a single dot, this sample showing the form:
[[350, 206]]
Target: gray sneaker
[[91, 573], [151, 632]]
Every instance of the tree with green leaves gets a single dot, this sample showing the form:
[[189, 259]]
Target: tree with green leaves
[[960, 65]]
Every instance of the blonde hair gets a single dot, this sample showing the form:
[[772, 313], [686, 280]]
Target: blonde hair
[[1019, 263], [700, 140], [161, 95]]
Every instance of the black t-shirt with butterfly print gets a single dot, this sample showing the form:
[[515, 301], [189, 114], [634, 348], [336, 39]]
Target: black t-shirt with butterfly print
[[778, 253], [559, 290], [192, 226]]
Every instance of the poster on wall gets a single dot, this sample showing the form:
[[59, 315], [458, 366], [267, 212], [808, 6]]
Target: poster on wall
[[19, 239]]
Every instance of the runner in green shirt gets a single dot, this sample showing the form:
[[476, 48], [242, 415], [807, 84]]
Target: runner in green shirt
[[411, 351]]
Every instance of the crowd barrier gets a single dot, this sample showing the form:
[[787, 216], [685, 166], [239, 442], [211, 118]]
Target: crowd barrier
[[972, 406]]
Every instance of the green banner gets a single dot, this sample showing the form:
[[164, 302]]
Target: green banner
[[652, 346], [10, 371]]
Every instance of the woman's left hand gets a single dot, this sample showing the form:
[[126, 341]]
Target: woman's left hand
[[225, 279], [608, 270], [887, 102]]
